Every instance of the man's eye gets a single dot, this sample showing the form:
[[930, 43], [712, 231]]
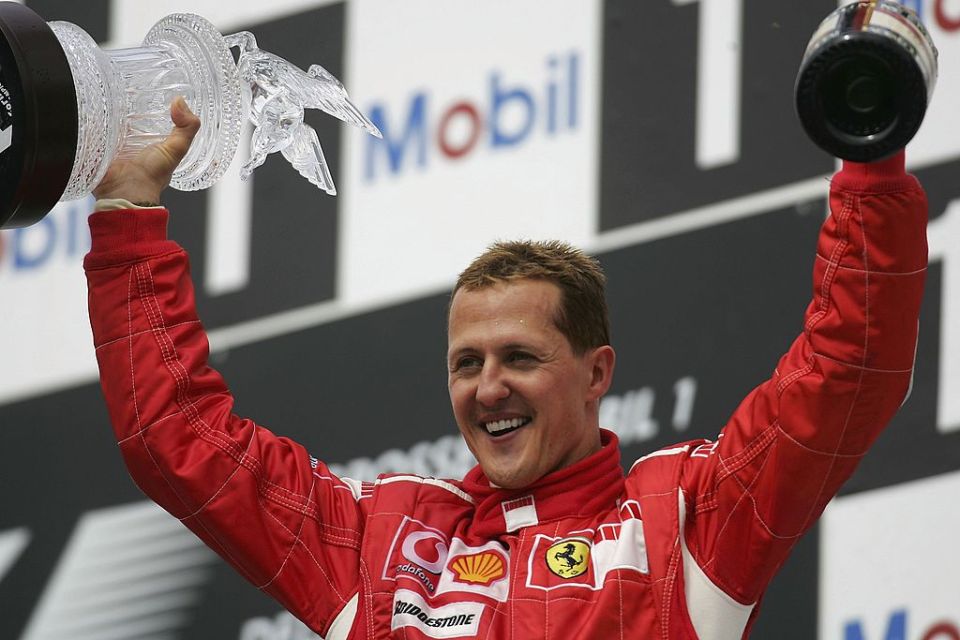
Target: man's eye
[[468, 362], [520, 356]]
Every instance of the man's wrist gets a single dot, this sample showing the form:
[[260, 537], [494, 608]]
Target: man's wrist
[[115, 204]]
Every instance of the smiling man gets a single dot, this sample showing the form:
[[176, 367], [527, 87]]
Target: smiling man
[[547, 538], [529, 359]]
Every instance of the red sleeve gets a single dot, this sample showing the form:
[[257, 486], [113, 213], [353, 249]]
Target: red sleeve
[[797, 437], [260, 501]]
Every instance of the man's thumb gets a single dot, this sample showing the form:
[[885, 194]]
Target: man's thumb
[[185, 127]]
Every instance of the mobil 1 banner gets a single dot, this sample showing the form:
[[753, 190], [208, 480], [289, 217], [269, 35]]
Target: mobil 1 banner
[[698, 103]]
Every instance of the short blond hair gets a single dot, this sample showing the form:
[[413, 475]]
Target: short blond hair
[[582, 315]]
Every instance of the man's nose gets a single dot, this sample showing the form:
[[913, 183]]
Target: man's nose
[[492, 386]]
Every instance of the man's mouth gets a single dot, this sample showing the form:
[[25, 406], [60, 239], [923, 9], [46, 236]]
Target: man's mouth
[[498, 428]]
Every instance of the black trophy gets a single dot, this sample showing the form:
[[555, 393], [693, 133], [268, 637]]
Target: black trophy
[[866, 79]]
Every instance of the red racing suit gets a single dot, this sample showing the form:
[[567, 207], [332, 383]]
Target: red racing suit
[[681, 546]]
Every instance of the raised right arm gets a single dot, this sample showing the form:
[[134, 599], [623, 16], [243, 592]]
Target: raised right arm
[[260, 501]]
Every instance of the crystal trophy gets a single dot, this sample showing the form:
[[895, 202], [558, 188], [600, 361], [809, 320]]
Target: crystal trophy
[[865, 81], [68, 107]]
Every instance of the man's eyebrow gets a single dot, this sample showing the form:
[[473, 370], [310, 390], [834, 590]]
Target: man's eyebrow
[[510, 346], [518, 346], [459, 352]]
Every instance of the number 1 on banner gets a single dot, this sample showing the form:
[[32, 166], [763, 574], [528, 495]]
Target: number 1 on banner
[[942, 235], [719, 54]]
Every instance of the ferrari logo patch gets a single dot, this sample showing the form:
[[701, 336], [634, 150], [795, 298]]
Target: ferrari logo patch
[[569, 558]]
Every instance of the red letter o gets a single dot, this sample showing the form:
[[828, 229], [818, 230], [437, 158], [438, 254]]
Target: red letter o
[[468, 110], [942, 631], [945, 21]]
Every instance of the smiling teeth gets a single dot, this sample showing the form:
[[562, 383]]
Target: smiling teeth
[[502, 425]]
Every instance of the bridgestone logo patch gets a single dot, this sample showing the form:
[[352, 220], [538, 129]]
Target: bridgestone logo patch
[[448, 621]]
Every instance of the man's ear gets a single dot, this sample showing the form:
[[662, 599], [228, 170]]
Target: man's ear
[[601, 361]]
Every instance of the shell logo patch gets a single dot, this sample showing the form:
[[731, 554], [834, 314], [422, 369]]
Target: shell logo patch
[[478, 568], [569, 558]]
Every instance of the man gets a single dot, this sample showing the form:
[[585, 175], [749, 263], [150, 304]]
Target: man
[[546, 538]]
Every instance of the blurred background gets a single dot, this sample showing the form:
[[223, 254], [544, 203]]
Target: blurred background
[[659, 135]]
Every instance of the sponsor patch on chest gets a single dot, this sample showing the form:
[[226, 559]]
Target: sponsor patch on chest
[[426, 559], [446, 621], [569, 557], [584, 559], [418, 553], [479, 568]]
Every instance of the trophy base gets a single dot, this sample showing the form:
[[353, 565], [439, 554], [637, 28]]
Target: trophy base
[[861, 98], [865, 80], [38, 117]]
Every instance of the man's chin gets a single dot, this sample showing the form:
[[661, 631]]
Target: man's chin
[[510, 480]]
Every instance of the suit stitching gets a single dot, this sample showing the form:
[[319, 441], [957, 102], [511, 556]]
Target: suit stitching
[[153, 424], [874, 273], [656, 495], [134, 334], [572, 598], [866, 351], [745, 492], [181, 379], [730, 466], [333, 587], [829, 454], [850, 365], [513, 586], [620, 599], [368, 587], [746, 455], [876, 190], [138, 271], [133, 262], [143, 440], [669, 587], [133, 377], [787, 380], [213, 497], [843, 221], [280, 495], [303, 520]]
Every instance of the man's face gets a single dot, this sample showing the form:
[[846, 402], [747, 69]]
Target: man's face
[[524, 401]]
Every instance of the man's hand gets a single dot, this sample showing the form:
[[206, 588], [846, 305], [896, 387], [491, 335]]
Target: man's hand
[[141, 178]]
